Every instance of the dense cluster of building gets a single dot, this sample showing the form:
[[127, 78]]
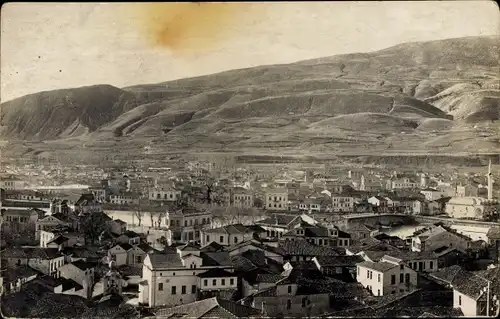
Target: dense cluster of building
[[157, 243]]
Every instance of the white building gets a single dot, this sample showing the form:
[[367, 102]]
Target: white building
[[164, 194], [403, 183], [277, 199], [342, 203], [387, 277], [127, 198], [468, 207], [170, 280], [432, 194]]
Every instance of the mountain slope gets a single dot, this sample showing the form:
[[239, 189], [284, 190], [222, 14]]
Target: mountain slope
[[60, 113], [411, 97]]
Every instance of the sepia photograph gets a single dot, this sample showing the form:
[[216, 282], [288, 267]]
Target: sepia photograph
[[250, 159]]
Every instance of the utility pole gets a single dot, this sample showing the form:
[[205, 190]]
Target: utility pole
[[488, 301]]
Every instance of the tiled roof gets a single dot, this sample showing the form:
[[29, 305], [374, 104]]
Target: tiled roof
[[303, 248], [84, 265], [378, 266], [11, 274], [242, 264], [36, 301], [462, 280], [125, 246], [131, 234], [215, 273], [278, 219], [189, 247], [230, 229], [213, 247], [268, 278], [410, 255], [220, 258], [167, 260], [339, 261], [32, 253], [208, 308]]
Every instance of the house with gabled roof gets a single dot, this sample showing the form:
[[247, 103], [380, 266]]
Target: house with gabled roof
[[388, 276], [277, 224], [473, 292], [338, 266], [318, 235], [50, 221], [87, 203], [44, 260], [272, 252], [173, 277], [435, 237], [82, 272], [226, 235]]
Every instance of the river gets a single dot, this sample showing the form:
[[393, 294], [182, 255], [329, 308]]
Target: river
[[474, 232]]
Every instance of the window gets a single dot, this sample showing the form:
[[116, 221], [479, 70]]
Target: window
[[367, 274], [183, 290], [431, 265], [231, 281], [205, 282], [407, 278], [138, 259], [160, 286], [221, 239], [401, 278], [304, 301], [288, 304], [193, 289], [208, 239], [223, 282], [393, 279], [289, 289], [378, 277], [401, 267], [214, 282], [174, 290], [459, 300], [235, 240], [378, 292]]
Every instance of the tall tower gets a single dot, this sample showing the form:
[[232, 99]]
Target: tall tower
[[490, 182]]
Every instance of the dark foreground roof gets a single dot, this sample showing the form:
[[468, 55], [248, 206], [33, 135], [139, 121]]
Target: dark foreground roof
[[209, 308]]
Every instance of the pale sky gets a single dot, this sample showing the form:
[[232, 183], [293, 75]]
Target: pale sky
[[46, 46]]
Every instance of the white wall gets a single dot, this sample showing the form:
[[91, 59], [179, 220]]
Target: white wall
[[465, 303]]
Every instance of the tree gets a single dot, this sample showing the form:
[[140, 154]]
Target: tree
[[94, 225], [138, 213], [159, 218]]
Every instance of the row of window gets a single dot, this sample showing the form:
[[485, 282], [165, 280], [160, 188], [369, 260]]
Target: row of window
[[191, 222], [277, 198], [173, 290], [16, 219], [221, 239], [165, 196], [222, 282], [305, 302], [242, 197]]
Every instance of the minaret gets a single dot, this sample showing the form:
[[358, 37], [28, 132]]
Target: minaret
[[490, 182]]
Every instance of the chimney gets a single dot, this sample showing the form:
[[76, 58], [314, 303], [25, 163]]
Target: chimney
[[490, 182]]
